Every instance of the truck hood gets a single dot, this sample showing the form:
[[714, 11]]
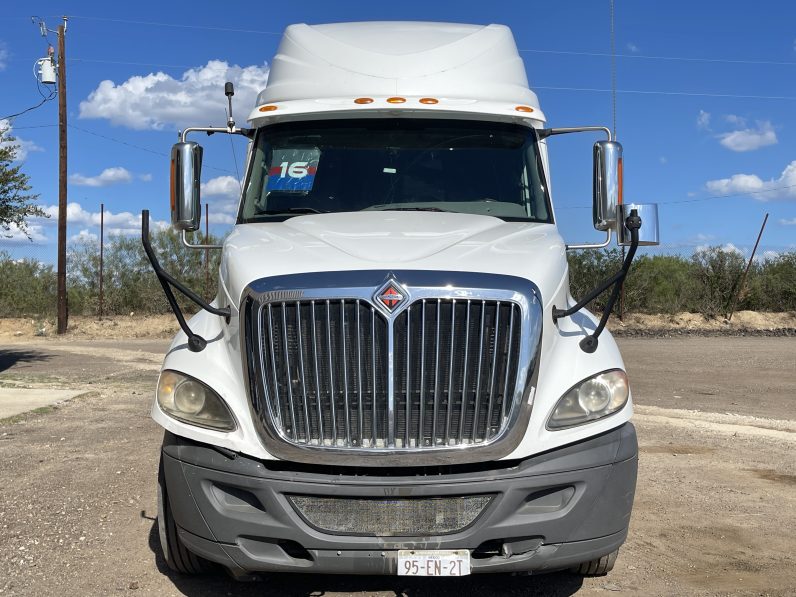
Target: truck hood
[[387, 240]]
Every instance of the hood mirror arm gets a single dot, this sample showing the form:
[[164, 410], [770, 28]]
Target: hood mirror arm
[[590, 342], [195, 342]]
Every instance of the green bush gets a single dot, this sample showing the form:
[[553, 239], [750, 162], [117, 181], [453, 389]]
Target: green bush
[[706, 282], [28, 287], [588, 268], [129, 284], [660, 284]]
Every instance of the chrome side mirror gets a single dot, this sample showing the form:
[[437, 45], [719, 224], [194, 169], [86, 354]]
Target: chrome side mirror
[[186, 171], [648, 234], [607, 184]]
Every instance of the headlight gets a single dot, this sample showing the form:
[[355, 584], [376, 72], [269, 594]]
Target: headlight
[[189, 400], [593, 398]]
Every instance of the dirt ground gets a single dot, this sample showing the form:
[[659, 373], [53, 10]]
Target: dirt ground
[[165, 326], [715, 508]]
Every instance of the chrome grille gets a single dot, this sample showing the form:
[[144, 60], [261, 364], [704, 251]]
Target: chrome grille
[[324, 366], [380, 517], [331, 368], [455, 371]]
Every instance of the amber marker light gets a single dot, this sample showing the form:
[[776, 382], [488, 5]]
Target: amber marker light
[[396, 100], [172, 180], [524, 109], [363, 100], [429, 100], [269, 108]]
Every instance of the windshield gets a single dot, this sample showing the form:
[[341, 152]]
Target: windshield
[[395, 164]]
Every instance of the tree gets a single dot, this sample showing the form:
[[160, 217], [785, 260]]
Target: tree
[[16, 204]]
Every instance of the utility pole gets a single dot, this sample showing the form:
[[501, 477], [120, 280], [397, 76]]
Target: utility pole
[[63, 309]]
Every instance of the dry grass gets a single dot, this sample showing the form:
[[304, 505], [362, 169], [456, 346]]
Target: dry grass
[[165, 326]]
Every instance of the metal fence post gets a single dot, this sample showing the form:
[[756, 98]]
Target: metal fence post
[[101, 248]]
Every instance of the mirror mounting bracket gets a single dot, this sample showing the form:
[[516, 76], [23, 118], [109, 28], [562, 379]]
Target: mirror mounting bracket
[[590, 342], [601, 245], [195, 342]]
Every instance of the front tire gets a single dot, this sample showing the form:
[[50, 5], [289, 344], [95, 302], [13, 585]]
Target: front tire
[[597, 567], [177, 556]]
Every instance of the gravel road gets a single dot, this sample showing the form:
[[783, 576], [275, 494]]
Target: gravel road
[[715, 508]]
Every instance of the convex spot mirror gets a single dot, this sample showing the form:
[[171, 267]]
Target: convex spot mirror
[[186, 171], [648, 234], [607, 184]]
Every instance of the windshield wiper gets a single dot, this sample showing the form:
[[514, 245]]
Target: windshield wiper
[[413, 209], [291, 210]]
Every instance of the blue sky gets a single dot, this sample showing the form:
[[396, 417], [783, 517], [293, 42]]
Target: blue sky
[[706, 108]]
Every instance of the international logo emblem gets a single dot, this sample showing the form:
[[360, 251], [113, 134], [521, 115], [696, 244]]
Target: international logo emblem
[[391, 295]]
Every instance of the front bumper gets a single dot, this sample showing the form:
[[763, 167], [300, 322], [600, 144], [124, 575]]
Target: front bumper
[[551, 511]]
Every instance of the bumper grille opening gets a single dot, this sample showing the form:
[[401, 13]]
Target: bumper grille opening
[[295, 550], [379, 517]]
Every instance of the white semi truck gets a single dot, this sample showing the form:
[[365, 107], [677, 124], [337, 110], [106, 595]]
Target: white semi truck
[[393, 377]]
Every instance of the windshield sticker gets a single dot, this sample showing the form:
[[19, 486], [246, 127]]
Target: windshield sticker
[[293, 170]]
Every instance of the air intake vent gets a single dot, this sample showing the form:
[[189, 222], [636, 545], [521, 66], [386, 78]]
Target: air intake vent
[[379, 517]]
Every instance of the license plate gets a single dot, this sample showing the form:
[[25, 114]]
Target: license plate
[[413, 562]]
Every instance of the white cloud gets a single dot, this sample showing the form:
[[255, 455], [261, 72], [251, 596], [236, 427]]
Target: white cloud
[[727, 248], [145, 177], [791, 222], [632, 47], [15, 235], [749, 139], [23, 146], [158, 100], [735, 119], [109, 176], [768, 256], [783, 187], [224, 210], [731, 248], [222, 186], [703, 120], [84, 236], [78, 216], [123, 222], [3, 56]]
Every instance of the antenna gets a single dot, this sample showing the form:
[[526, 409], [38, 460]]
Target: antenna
[[229, 91]]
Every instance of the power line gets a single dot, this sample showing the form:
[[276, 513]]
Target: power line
[[37, 126], [176, 25], [699, 199], [656, 92], [139, 147], [670, 58], [527, 50], [98, 61], [790, 186], [228, 114], [26, 110]]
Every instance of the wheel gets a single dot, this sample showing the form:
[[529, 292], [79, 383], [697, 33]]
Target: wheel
[[599, 567], [177, 556]]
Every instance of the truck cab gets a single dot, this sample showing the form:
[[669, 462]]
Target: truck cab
[[393, 377]]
